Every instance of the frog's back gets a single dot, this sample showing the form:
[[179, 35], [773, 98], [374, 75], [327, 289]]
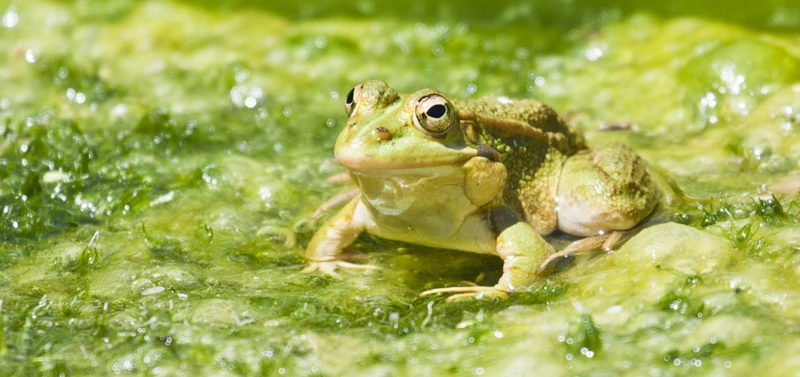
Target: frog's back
[[533, 142]]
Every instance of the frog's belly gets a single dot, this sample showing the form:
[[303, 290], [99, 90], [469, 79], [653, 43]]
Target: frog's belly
[[426, 206]]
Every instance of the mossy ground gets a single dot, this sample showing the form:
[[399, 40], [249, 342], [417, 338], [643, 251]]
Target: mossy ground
[[159, 162]]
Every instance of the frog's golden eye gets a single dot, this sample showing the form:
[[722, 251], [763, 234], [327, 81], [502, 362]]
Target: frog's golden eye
[[434, 114], [352, 97]]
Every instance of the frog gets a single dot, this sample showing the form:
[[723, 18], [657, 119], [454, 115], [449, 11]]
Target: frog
[[491, 175]]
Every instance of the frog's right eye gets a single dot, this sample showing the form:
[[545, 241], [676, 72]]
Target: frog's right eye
[[434, 115], [350, 102]]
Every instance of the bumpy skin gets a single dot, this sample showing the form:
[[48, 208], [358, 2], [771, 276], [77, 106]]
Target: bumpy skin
[[489, 176], [615, 180], [533, 143]]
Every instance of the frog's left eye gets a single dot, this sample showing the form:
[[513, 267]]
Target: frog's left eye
[[352, 97], [434, 114]]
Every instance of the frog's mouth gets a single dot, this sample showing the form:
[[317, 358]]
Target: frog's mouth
[[419, 172], [370, 164]]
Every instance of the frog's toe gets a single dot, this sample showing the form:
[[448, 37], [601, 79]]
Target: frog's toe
[[329, 267], [478, 292]]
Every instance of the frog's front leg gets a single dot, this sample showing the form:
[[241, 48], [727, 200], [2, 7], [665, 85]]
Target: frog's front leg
[[325, 249], [522, 250]]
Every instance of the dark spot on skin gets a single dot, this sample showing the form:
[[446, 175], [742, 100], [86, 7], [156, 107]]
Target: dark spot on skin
[[738, 290], [658, 266], [488, 152]]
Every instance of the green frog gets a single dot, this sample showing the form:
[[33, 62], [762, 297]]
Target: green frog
[[490, 175]]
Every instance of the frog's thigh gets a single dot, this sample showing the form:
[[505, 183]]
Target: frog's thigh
[[606, 189]]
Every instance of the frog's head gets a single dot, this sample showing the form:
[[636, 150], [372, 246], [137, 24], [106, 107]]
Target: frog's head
[[386, 130]]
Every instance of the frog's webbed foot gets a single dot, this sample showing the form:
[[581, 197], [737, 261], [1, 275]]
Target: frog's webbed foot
[[475, 291], [329, 267], [603, 242]]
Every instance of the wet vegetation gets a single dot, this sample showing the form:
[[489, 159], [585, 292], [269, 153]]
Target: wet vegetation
[[159, 162]]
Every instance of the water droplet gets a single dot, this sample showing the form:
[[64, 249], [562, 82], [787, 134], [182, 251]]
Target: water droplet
[[242, 75], [29, 56], [10, 18], [593, 53]]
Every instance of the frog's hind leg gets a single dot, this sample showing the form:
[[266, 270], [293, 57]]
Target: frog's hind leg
[[605, 190], [522, 249], [603, 242]]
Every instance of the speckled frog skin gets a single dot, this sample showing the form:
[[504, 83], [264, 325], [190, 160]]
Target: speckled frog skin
[[490, 175]]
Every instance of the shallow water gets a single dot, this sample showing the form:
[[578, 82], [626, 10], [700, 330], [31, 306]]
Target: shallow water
[[159, 162]]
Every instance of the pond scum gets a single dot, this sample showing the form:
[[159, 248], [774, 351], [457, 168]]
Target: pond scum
[[159, 162]]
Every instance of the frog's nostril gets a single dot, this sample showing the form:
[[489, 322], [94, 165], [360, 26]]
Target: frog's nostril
[[353, 125], [382, 134]]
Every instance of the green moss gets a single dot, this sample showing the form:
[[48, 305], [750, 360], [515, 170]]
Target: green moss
[[159, 161], [682, 302], [77, 80], [728, 80], [769, 211]]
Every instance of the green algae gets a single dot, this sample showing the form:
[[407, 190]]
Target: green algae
[[159, 162]]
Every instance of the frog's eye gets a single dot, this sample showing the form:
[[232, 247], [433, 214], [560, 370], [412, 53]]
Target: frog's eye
[[350, 102], [434, 114]]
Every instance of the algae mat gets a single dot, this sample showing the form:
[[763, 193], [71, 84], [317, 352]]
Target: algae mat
[[159, 162]]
